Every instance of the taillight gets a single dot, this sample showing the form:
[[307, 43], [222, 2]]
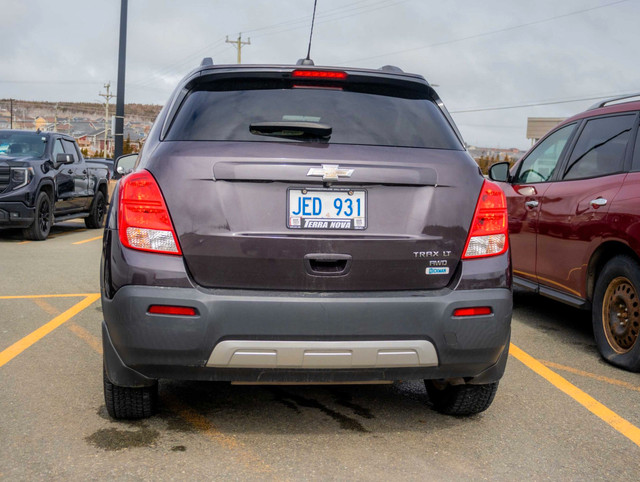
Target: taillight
[[143, 218], [488, 235], [319, 74]]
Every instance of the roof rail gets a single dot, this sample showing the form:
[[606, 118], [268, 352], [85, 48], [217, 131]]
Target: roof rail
[[602, 103], [391, 68], [206, 62]]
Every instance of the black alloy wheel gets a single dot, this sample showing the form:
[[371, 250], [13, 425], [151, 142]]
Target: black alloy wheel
[[98, 210], [41, 226]]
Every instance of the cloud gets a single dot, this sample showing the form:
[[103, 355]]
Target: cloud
[[481, 54]]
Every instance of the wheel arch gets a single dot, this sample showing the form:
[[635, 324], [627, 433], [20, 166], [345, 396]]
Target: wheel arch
[[102, 186], [605, 252], [46, 186]]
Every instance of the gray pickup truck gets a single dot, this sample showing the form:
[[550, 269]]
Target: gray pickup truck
[[44, 180]]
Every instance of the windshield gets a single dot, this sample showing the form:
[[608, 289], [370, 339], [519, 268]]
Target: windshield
[[22, 144], [353, 117]]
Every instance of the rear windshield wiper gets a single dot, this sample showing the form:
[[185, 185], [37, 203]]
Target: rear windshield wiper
[[291, 129]]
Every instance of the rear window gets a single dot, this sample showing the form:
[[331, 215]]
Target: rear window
[[355, 117]]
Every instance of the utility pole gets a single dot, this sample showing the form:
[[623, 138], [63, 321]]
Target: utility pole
[[238, 45], [55, 119], [107, 97], [11, 101]]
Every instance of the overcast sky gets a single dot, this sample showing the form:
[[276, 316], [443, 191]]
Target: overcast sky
[[482, 54]]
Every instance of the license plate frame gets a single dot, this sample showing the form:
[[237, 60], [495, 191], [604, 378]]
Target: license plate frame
[[312, 221]]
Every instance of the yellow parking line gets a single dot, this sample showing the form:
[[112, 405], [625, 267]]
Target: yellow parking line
[[88, 240], [93, 341], [25, 242], [35, 336], [600, 378], [46, 306], [80, 332], [251, 460], [65, 233], [598, 409], [30, 297], [201, 423]]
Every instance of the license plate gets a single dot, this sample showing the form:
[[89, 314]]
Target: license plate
[[327, 209]]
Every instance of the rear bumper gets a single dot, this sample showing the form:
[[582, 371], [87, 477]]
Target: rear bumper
[[243, 335], [16, 215]]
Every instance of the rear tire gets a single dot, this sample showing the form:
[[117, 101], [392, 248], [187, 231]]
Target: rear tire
[[41, 226], [129, 403], [460, 400], [616, 313], [98, 210]]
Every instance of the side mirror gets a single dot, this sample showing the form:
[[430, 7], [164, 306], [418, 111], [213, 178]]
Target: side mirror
[[62, 159], [499, 172], [124, 165]]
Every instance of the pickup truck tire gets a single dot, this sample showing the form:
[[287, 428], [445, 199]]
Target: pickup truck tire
[[460, 399], [98, 209], [129, 403], [616, 313], [39, 229]]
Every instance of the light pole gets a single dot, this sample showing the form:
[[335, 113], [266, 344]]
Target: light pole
[[122, 54]]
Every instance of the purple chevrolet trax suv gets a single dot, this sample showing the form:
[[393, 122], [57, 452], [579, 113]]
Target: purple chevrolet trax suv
[[305, 224]]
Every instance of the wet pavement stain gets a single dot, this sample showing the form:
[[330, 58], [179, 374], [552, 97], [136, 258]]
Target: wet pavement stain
[[346, 423], [288, 403], [178, 424], [102, 413], [113, 439], [344, 399]]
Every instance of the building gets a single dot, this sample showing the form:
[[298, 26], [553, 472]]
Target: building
[[537, 127]]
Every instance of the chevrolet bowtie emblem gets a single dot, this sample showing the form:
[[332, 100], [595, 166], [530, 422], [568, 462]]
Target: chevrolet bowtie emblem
[[330, 172]]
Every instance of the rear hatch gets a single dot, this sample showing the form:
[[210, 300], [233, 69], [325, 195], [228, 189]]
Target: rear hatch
[[325, 187]]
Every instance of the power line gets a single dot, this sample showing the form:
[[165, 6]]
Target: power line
[[332, 17], [304, 18], [491, 32], [49, 82], [533, 104], [351, 9]]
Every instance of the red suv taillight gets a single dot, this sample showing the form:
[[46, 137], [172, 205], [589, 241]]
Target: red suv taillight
[[488, 235], [143, 218]]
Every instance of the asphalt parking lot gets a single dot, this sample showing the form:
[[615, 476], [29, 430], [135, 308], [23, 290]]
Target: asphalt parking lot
[[560, 413]]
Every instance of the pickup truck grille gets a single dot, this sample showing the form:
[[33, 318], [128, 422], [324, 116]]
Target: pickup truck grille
[[5, 173]]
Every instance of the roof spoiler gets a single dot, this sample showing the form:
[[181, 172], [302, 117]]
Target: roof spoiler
[[602, 103]]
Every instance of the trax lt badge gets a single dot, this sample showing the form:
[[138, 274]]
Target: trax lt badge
[[330, 172]]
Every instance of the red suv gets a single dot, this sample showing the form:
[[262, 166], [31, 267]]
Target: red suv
[[574, 221]]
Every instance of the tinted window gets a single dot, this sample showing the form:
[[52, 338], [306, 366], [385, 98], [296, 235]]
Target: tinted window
[[600, 148], [636, 154], [57, 149], [542, 162], [355, 117], [70, 148], [22, 144]]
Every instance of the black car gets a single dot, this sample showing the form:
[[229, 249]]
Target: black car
[[305, 224], [44, 179]]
